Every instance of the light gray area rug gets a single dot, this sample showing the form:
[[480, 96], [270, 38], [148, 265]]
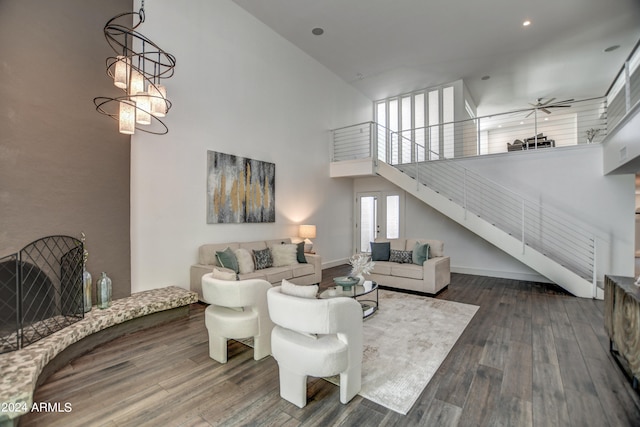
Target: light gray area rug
[[405, 342]]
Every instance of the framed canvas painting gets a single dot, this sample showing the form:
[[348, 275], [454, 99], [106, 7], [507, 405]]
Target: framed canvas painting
[[239, 190]]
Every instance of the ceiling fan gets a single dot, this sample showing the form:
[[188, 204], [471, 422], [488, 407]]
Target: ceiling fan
[[546, 105]]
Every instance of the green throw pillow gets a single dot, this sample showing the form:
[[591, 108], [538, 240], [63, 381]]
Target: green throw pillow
[[300, 253], [420, 253], [227, 259]]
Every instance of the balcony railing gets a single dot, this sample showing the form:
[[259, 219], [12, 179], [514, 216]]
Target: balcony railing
[[557, 124]]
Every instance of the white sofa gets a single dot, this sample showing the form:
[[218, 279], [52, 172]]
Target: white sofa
[[430, 278], [300, 274]]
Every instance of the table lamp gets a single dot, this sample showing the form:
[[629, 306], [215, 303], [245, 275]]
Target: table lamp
[[307, 232]]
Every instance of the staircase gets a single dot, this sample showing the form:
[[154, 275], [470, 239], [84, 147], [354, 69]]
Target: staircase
[[546, 242], [540, 237]]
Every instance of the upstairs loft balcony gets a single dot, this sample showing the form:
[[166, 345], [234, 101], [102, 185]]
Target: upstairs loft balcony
[[552, 124], [575, 123]]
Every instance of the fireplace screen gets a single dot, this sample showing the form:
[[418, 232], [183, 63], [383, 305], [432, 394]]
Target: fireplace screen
[[40, 290]]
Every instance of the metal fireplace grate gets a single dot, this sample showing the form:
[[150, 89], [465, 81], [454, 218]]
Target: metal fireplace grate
[[47, 290], [9, 338]]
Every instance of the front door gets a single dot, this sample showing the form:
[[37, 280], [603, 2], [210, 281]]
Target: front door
[[378, 215]]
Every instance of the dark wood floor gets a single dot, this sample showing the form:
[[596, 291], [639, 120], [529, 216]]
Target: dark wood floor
[[531, 356]]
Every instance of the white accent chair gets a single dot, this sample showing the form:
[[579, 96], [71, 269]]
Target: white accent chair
[[316, 337], [238, 310]]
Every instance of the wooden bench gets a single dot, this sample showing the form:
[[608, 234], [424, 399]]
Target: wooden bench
[[23, 370]]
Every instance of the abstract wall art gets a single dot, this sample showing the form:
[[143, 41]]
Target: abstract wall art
[[239, 190]]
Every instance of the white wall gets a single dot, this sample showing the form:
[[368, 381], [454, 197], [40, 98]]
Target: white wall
[[469, 253], [239, 88], [567, 179], [570, 179], [622, 148]]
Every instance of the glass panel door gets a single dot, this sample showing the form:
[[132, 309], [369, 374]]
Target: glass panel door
[[378, 215], [367, 227]]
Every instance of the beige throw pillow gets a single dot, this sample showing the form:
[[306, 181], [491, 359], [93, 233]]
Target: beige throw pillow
[[245, 261], [302, 291], [284, 254], [224, 274]]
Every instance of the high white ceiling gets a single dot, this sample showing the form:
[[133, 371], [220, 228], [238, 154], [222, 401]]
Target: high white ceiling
[[388, 47]]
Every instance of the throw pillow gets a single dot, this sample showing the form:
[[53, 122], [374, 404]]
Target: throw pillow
[[225, 274], [262, 259], [227, 259], [420, 253], [380, 251], [245, 261], [302, 291], [284, 254], [402, 257], [300, 253]]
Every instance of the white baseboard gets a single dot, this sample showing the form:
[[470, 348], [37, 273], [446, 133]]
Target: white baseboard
[[530, 277]]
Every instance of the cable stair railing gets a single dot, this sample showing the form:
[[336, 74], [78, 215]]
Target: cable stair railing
[[550, 232], [546, 239]]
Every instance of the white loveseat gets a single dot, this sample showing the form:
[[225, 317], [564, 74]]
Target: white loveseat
[[430, 277], [299, 273]]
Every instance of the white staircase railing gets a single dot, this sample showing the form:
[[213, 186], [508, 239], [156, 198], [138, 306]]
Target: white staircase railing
[[545, 229], [422, 154], [541, 227]]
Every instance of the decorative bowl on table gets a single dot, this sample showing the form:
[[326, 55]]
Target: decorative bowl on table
[[346, 282]]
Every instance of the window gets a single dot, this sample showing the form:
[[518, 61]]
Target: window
[[393, 217], [420, 131], [381, 119], [414, 122], [447, 117], [393, 127], [434, 120], [406, 122]]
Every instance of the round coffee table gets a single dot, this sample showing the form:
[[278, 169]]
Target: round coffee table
[[369, 306]]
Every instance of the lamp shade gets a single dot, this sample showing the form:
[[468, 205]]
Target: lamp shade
[[307, 231], [158, 94], [121, 73], [137, 83], [127, 118], [143, 110]]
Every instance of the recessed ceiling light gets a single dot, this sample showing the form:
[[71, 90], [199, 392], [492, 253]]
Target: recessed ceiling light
[[526, 23], [485, 77], [317, 31], [499, 126], [521, 123], [612, 48], [546, 118]]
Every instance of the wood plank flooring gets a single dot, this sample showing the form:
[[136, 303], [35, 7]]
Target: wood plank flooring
[[531, 356]]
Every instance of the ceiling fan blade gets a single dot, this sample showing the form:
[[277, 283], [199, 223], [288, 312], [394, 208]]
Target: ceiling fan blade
[[530, 113], [546, 103], [545, 110]]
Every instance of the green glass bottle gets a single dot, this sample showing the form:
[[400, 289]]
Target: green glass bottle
[[103, 291]]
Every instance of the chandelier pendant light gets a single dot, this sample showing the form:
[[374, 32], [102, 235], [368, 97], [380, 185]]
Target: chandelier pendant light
[[138, 69]]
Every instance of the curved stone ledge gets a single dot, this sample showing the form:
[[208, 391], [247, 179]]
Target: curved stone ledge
[[20, 369]]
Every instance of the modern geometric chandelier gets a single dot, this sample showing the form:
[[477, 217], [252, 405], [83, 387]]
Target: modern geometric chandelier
[[138, 69]]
